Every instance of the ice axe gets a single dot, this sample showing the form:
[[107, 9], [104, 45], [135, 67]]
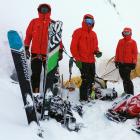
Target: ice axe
[[70, 67], [71, 86]]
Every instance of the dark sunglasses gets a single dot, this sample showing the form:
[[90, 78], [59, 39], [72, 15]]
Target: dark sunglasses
[[44, 10]]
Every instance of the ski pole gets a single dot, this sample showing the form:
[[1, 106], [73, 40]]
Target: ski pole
[[68, 55], [62, 85], [66, 52], [70, 72]]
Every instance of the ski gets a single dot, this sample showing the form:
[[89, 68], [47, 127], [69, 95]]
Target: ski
[[55, 36], [19, 58]]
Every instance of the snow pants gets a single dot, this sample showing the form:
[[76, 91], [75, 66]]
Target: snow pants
[[37, 61], [88, 78], [125, 71]]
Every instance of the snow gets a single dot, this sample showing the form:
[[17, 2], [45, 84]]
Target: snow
[[16, 15]]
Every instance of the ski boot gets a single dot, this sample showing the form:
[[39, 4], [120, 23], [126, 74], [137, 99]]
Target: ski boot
[[78, 109]]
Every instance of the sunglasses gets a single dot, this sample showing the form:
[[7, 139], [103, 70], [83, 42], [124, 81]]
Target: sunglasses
[[126, 33], [89, 21], [44, 10]]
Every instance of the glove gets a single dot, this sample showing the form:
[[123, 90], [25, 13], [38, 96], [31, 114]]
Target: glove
[[60, 57], [79, 64], [132, 66], [98, 54], [27, 52], [117, 64]]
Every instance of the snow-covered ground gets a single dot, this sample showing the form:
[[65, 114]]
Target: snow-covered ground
[[109, 24]]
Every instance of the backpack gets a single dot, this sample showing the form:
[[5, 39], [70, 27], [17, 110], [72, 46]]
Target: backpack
[[126, 109]]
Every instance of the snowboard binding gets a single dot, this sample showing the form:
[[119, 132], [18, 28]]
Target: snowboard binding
[[70, 121], [71, 125]]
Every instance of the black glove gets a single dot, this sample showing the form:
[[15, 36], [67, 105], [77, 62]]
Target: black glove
[[60, 57], [117, 64], [132, 66], [27, 52], [98, 54]]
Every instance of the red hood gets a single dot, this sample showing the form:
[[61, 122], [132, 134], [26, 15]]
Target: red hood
[[127, 37], [84, 25], [44, 16], [125, 30]]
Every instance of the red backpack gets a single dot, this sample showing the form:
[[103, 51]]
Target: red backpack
[[131, 106]]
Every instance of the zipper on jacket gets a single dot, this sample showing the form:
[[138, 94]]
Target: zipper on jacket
[[123, 52], [42, 36], [123, 55]]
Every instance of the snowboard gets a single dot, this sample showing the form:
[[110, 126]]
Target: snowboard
[[19, 58], [55, 37]]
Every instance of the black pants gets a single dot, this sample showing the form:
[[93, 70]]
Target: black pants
[[36, 67], [88, 76], [125, 71]]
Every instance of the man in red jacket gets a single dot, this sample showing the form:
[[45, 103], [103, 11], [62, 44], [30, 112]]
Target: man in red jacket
[[84, 46], [37, 33], [126, 59]]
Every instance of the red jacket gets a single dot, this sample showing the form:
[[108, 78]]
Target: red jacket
[[126, 51], [84, 44], [37, 32]]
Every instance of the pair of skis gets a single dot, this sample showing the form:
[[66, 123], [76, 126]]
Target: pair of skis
[[19, 58]]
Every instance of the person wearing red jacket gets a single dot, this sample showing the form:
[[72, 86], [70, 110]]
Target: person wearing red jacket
[[84, 46], [37, 33], [126, 59]]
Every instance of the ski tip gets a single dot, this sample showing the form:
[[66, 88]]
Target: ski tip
[[11, 31], [14, 40]]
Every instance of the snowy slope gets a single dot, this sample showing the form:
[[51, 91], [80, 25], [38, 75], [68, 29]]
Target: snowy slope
[[16, 15]]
